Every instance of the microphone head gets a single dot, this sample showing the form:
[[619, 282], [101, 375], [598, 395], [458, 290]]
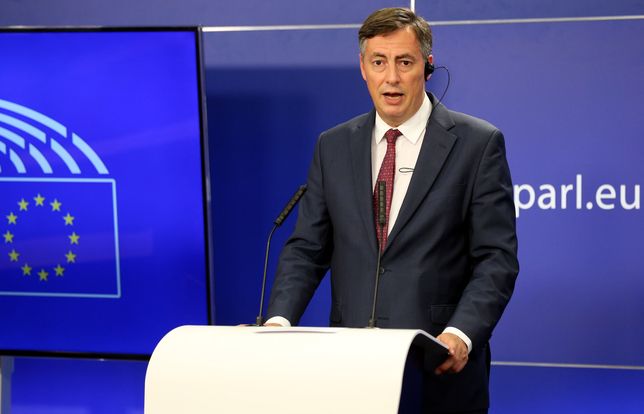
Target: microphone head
[[289, 206], [382, 203]]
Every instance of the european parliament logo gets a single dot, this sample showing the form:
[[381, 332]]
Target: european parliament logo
[[58, 235]]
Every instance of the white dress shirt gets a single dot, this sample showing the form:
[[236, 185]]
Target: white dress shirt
[[407, 149]]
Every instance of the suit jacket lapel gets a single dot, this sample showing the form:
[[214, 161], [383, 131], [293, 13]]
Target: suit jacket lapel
[[437, 144], [360, 147]]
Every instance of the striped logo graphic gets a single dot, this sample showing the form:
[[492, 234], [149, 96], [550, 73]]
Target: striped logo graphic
[[58, 213]]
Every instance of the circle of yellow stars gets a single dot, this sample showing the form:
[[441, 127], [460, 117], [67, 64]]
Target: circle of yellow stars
[[14, 256]]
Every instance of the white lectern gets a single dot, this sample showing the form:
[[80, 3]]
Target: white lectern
[[217, 369]]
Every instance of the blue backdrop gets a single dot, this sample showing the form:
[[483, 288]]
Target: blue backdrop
[[566, 95]]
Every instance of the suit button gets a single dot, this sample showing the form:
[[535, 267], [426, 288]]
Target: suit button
[[382, 271]]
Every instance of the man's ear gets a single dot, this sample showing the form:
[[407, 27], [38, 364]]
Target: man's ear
[[429, 67]]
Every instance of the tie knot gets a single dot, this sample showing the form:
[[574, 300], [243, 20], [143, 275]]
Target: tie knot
[[391, 135]]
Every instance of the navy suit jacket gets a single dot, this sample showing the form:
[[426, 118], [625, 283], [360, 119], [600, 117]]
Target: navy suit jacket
[[450, 259]]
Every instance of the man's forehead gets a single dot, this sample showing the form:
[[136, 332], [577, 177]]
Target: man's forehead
[[399, 42]]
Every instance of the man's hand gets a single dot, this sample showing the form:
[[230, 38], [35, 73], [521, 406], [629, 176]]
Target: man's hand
[[457, 354]]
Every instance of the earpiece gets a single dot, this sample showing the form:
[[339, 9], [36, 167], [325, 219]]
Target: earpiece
[[429, 69]]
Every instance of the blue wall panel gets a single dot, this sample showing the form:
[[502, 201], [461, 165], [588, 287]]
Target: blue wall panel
[[73, 386], [566, 110], [289, 12], [188, 12], [439, 10], [532, 390]]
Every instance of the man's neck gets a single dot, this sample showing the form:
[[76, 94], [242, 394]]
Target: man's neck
[[420, 116]]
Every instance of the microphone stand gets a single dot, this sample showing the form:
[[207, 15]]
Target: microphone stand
[[382, 220], [259, 320]]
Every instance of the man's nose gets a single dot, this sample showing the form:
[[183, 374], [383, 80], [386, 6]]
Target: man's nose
[[392, 75]]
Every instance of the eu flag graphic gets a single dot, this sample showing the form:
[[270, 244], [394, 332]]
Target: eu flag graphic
[[59, 237]]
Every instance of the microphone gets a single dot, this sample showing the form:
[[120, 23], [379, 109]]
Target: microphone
[[382, 220], [289, 206], [382, 205], [259, 321]]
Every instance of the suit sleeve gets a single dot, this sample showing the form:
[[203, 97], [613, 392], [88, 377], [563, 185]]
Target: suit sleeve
[[306, 255], [492, 246]]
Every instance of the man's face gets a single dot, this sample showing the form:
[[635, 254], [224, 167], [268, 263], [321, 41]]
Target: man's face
[[394, 68]]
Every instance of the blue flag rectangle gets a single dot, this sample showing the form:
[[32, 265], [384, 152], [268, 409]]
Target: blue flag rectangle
[[59, 237]]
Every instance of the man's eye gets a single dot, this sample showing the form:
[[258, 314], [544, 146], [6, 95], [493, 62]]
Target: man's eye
[[406, 62], [377, 62]]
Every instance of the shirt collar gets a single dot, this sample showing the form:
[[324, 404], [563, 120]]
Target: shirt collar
[[412, 129]]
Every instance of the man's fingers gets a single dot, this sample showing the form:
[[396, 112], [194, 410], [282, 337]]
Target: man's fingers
[[453, 363], [459, 365], [445, 366]]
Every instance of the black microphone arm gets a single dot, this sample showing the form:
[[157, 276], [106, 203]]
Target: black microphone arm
[[259, 321], [382, 220]]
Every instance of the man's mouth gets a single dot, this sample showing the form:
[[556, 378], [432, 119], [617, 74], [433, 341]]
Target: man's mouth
[[393, 97]]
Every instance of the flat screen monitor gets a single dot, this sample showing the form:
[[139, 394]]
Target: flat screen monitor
[[103, 189]]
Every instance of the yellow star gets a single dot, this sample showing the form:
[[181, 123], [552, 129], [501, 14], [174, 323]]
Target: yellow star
[[59, 270], [43, 275], [8, 237], [40, 200], [23, 204], [26, 270], [13, 255], [71, 257], [69, 220], [12, 218], [73, 238], [55, 205]]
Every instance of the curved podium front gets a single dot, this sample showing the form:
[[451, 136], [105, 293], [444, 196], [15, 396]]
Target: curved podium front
[[219, 369]]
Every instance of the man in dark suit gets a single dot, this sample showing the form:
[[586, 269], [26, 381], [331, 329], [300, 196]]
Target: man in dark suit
[[448, 245]]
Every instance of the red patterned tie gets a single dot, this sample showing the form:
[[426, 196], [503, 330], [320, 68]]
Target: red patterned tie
[[386, 174]]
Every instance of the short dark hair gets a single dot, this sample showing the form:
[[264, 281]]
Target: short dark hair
[[389, 20]]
